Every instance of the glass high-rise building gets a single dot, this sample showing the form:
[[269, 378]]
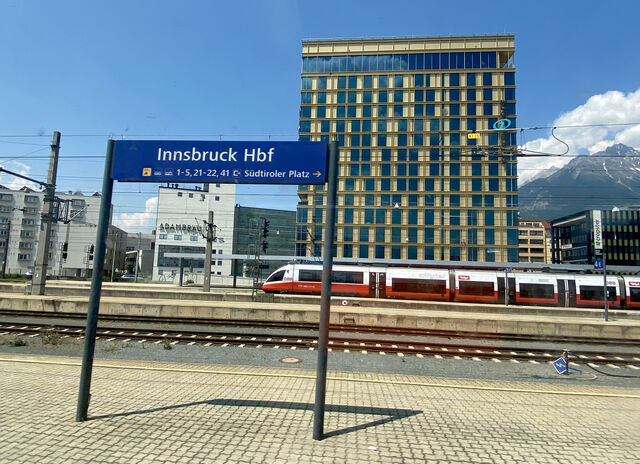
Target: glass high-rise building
[[426, 130]]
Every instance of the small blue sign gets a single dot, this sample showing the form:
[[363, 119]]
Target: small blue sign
[[561, 365], [502, 124], [598, 263], [220, 162]]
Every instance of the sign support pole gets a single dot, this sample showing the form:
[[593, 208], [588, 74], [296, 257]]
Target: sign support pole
[[325, 299], [606, 293], [96, 288]]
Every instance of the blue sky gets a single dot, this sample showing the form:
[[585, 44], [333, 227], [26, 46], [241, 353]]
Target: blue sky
[[205, 69]]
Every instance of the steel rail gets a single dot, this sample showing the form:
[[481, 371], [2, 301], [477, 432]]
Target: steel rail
[[334, 327], [335, 343]]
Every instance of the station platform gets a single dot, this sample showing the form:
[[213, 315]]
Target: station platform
[[151, 411], [175, 302]]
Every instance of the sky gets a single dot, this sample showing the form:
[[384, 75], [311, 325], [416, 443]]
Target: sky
[[213, 70]]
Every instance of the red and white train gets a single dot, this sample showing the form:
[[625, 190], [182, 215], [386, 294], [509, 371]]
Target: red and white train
[[525, 288]]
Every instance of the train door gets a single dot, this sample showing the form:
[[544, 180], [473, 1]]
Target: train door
[[377, 284], [512, 290], [566, 292], [500, 288], [563, 295], [571, 293]]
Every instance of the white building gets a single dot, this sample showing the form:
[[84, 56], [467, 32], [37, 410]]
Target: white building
[[181, 228], [72, 236]]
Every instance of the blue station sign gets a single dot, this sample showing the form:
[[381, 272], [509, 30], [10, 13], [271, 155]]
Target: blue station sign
[[220, 162]]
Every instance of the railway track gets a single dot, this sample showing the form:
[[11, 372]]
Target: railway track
[[307, 342], [334, 327]]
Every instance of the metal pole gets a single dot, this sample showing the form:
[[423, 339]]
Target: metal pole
[[181, 270], [325, 301], [113, 254], [138, 254], [96, 287], [604, 273], [565, 356], [42, 254], [6, 250], [506, 287], [207, 254]]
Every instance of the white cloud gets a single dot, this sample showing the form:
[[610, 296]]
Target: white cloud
[[612, 107], [139, 222], [17, 183]]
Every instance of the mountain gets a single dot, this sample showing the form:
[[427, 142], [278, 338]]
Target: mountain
[[602, 180]]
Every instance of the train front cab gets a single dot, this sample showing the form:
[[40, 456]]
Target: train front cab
[[476, 286], [590, 291], [280, 280], [632, 290]]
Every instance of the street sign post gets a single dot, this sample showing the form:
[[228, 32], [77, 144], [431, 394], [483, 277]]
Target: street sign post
[[600, 257], [220, 162]]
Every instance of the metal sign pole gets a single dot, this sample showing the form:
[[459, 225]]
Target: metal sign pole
[[325, 299], [96, 288], [606, 293]]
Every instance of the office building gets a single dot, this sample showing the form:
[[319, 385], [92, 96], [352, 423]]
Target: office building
[[534, 242], [573, 237], [426, 130], [250, 238], [73, 235], [181, 228]]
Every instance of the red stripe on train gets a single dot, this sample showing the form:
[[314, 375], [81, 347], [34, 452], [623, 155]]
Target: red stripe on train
[[520, 299]]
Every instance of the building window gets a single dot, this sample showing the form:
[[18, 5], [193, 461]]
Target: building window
[[177, 237], [193, 238], [364, 251]]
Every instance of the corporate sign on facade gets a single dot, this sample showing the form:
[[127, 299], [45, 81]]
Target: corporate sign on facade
[[220, 162], [597, 230]]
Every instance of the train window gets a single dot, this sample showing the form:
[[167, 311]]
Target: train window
[[419, 286], [278, 276], [634, 294], [536, 291], [310, 275], [595, 292], [476, 288], [345, 277]]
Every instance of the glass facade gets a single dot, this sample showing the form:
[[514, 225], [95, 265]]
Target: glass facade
[[403, 122]]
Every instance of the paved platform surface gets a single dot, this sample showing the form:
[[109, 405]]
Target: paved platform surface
[[191, 413]]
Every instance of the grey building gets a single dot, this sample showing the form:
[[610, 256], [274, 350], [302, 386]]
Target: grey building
[[573, 238], [72, 239], [250, 237]]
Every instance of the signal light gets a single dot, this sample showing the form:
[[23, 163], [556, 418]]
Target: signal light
[[265, 245], [265, 230]]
